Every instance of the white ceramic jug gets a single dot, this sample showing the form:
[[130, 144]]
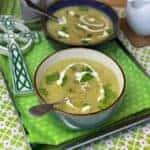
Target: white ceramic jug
[[138, 16]]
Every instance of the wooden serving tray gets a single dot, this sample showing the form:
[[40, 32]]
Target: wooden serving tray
[[115, 3], [135, 106]]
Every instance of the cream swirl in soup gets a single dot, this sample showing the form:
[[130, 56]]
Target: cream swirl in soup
[[89, 85], [82, 25]]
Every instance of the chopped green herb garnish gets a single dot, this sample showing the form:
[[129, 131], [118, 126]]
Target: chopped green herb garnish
[[77, 15], [109, 31], [52, 77], [85, 104], [109, 93], [89, 35], [71, 90], [110, 96], [87, 69], [83, 8], [86, 77], [64, 29], [64, 80], [67, 12], [73, 68], [43, 91], [84, 41]]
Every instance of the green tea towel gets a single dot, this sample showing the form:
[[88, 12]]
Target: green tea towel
[[48, 129]]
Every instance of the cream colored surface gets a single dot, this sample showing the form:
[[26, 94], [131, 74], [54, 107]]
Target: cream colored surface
[[82, 95], [112, 75], [84, 26]]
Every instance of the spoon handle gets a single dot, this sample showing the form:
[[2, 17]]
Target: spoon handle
[[40, 10], [21, 79], [40, 110]]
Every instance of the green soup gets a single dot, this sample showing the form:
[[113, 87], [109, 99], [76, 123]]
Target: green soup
[[89, 85], [82, 26]]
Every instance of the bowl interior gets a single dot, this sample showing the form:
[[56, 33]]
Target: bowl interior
[[80, 53], [95, 4]]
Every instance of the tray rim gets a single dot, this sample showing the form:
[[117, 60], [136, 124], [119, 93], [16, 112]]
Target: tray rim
[[121, 124]]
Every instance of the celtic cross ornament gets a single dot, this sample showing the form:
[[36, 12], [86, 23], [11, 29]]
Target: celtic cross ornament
[[16, 38]]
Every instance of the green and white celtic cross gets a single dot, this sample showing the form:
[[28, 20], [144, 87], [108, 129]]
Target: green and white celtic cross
[[15, 38]]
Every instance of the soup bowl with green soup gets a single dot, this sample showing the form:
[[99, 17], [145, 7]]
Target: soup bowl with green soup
[[84, 22], [93, 82]]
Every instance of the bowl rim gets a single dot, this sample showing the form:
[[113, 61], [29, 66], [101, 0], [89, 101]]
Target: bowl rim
[[87, 114], [111, 37]]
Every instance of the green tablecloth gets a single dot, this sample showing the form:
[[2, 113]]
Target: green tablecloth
[[12, 135], [120, 141]]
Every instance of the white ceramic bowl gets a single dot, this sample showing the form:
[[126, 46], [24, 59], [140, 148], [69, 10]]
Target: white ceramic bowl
[[82, 121]]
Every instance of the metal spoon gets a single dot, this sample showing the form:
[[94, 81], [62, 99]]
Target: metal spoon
[[41, 11], [41, 109]]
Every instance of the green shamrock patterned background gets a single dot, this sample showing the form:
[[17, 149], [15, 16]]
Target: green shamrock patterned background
[[12, 136], [137, 138]]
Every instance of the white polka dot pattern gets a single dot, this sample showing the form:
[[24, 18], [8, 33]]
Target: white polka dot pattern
[[12, 136]]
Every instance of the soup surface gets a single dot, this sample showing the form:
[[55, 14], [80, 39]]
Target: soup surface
[[89, 85], [81, 25]]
